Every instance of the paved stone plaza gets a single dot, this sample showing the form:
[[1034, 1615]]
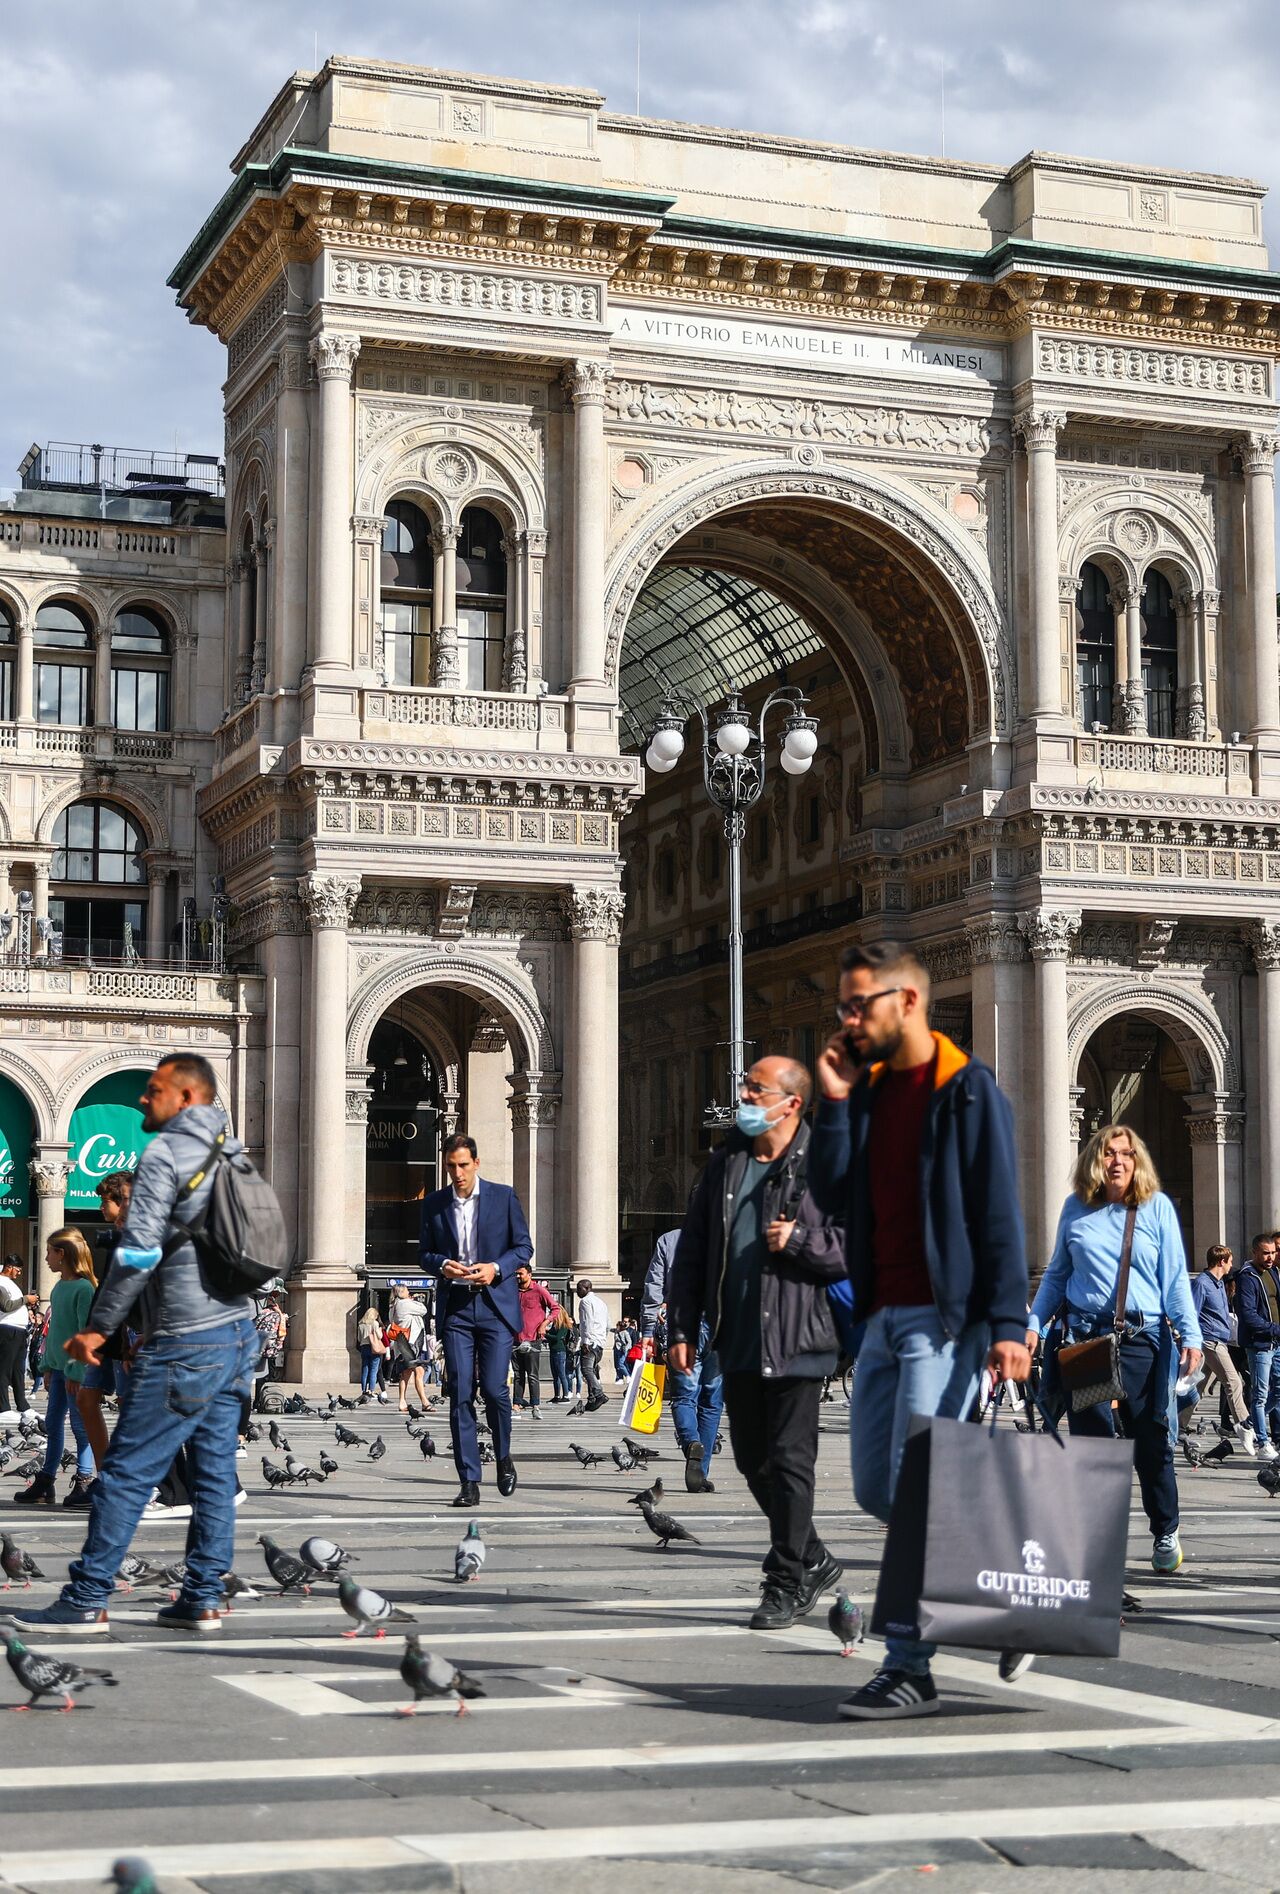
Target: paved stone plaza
[[634, 1733]]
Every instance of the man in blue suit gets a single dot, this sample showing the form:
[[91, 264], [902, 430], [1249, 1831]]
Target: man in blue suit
[[474, 1238]]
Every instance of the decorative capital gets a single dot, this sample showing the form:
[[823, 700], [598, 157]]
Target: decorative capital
[[267, 537], [49, 1175], [368, 525], [1187, 599], [1258, 452], [334, 354], [1122, 595], [241, 565], [1068, 588], [586, 382], [1265, 941], [329, 900], [995, 939], [1049, 936], [535, 1099], [1039, 428], [358, 1099], [595, 913]]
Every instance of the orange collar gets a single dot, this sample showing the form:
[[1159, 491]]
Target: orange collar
[[948, 1060]]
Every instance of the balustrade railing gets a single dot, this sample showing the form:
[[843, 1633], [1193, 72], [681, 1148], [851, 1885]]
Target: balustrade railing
[[498, 711], [1163, 756]]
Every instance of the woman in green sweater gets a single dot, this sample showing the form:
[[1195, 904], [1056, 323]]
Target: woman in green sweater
[[71, 1260]]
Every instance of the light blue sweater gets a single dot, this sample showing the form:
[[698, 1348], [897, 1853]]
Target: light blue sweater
[[1085, 1263]]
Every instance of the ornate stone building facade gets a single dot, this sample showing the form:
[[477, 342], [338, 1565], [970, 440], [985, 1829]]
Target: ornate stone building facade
[[998, 444]]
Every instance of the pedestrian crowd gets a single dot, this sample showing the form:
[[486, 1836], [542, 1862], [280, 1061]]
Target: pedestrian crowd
[[867, 1209]]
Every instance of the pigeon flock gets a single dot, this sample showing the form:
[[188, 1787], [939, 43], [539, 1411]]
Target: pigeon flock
[[321, 1563]]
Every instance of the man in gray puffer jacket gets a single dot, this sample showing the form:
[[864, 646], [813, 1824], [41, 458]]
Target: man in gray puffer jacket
[[192, 1370]]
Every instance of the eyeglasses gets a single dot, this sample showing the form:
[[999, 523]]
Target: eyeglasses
[[854, 1009], [758, 1090]]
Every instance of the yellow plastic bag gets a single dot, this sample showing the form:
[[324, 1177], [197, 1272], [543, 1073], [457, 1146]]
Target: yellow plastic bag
[[642, 1402]]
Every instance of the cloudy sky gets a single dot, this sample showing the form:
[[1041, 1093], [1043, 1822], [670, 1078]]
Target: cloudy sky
[[117, 124]]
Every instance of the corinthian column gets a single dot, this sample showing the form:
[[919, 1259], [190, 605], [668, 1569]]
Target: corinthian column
[[595, 923], [1266, 958], [586, 382], [50, 1171], [334, 355], [1258, 455], [1041, 689], [1049, 938], [324, 1293], [446, 666]]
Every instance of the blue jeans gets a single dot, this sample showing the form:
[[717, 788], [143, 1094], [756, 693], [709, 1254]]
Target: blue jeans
[[184, 1391], [369, 1366], [906, 1366], [62, 1401], [1264, 1390], [697, 1399], [559, 1375]]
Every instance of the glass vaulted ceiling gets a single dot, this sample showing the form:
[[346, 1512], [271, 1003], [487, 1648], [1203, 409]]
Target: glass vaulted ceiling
[[699, 628]]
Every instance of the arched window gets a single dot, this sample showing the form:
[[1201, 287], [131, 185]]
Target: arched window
[[406, 595], [64, 665], [97, 860], [1095, 648], [8, 636], [482, 600], [139, 671], [1159, 654]]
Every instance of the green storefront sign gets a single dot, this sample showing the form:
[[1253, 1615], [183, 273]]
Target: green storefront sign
[[15, 1152], [106, 1135]]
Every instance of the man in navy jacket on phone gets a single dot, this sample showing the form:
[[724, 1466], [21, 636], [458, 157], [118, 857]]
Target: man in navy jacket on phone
[[474, 1238]]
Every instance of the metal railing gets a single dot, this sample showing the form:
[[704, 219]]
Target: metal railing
[[90, 464]]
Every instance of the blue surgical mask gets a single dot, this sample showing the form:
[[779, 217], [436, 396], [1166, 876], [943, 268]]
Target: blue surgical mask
[[752, 1119]]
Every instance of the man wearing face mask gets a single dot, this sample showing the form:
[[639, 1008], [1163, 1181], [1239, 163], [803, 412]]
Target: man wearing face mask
[[750, 1276]]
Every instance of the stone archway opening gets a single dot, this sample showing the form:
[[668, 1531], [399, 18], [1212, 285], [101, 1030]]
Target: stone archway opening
[[1133, 1072], [402, 1148]]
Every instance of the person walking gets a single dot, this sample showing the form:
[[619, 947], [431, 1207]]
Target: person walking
[[913, 1148], [192, 1372], [474, 1239], [696, 1393], [538, 1309], [1209, 1296], [750, 1275], [593, 1322], [558, 1354], [15, 1336], [1119, 1251], [409, 1318], [1258, 1312], [71, 1260]]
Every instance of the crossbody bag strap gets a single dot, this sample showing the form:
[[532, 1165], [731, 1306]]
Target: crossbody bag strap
[[1126, 1256], [182, 1231]]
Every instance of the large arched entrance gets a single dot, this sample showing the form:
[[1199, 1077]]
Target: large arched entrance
[[826, 586], [1132, 1072]]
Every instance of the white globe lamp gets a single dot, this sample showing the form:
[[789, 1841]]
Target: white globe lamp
[[794, 765]]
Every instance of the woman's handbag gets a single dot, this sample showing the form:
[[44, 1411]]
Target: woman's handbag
[[1090, 1371]]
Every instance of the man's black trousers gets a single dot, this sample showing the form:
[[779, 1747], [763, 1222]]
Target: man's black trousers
[[773, 1430], [13, 1362]]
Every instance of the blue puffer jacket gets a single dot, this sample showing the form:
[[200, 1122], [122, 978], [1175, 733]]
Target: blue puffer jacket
[[975, 1249], [169, 1291]]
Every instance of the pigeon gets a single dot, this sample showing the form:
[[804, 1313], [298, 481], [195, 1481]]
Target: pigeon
[[486, 1452], [345, 1437], [289, 1573], [132, 1875], [1269, 1479], [369, 1607], [253, 1433], [637, 1452], [585, 1459], [845, 1620], [328, 1464], [41, 1676], [135, 1571], [15, 1564], [469, 1556], [378, 1448], [664, 1528], [414, 1413], [430, 1676], [323, 1556], [233, 1586], [344, 1402], [275, 1476], [718, 1444], [29, 1422], [651, 1495], [68, 1460], [579, 1406], [298, 1470], [175, 1574], [624, 1461], [29, 1469], [427, 1447], [277, 1439]]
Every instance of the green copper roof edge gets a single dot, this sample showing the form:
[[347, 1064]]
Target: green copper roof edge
[[1014, 250], [341, 166]]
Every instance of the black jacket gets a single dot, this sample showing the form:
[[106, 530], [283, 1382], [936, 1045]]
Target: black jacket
[[797, 1333], [1253, 1310]]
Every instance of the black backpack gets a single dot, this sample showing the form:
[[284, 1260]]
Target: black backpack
[[239, 1236]]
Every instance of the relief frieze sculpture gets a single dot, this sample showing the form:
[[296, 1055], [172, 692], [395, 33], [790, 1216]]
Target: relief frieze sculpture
[[726, 411]]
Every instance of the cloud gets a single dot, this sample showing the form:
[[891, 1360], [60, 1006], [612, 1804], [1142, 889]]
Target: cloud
[[117, 125]]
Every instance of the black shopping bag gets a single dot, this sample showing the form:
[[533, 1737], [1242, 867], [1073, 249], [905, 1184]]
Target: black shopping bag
[[1007, 1541]]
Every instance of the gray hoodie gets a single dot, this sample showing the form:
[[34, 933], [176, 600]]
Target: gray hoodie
[[168, 1291]]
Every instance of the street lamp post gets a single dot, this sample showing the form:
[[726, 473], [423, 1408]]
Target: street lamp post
[[733, 771]]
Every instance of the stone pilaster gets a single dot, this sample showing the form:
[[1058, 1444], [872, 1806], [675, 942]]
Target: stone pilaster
[[595, 916], [1258, 457], [1037, 429], [1049, 937], [50, 1170], [1266, 958], [586, 383]]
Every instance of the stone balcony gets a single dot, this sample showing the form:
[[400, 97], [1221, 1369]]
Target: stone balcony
[[51, 741], [1105, 761], [446, 719], [161, 993]]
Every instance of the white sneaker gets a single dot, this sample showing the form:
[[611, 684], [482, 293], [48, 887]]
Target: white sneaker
[[1266, 1451], [156, 1509], [1247, 1441]]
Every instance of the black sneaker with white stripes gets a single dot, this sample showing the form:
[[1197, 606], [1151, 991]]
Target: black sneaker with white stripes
[[892, 1693]]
